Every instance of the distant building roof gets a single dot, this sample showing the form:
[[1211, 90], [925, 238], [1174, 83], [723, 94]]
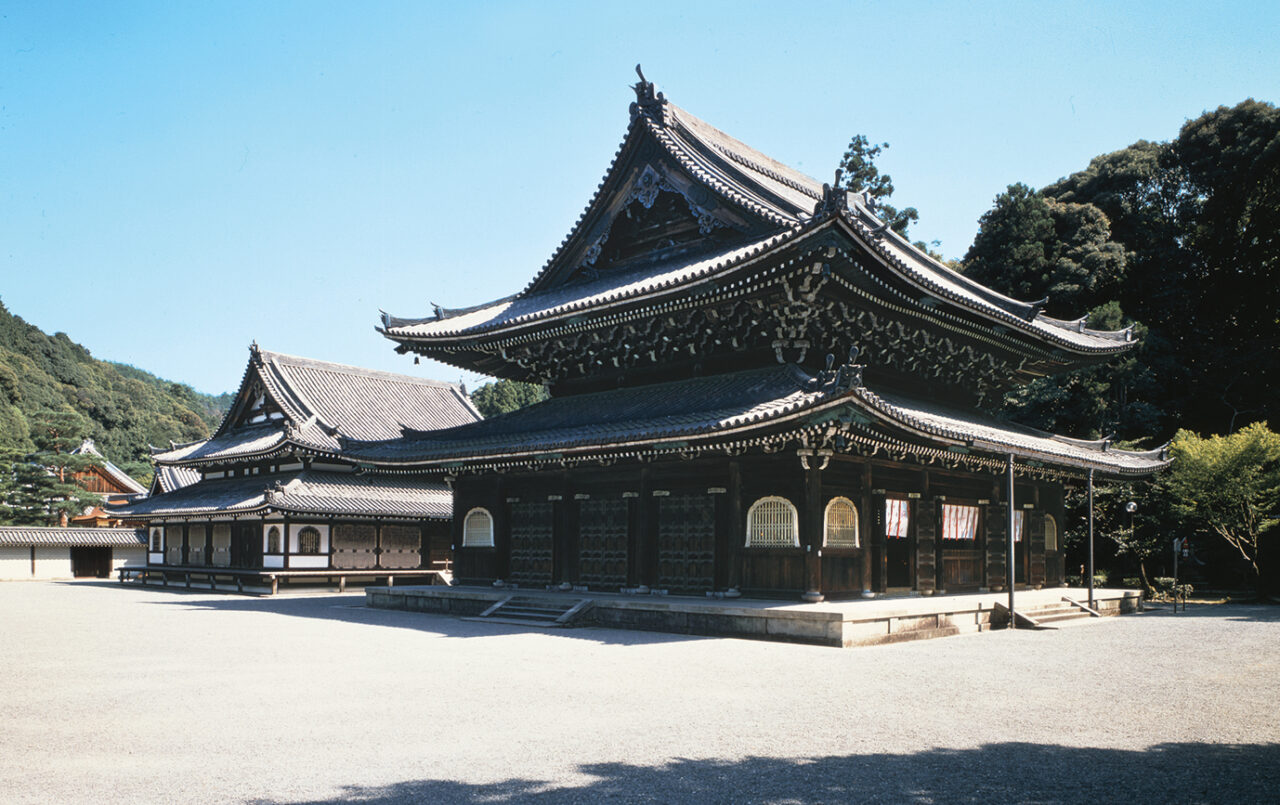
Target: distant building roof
[[168, 478], [322, 405], [11, 536], [88, 448], [304, 492]]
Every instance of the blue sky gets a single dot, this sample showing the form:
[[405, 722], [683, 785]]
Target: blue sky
[[179, 179]]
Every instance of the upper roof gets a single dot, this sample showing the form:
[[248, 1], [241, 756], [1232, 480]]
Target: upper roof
[[88, 448], [739, 409], [169, 478], [72, 537], [303, 492], [732, 185], [315, 405]]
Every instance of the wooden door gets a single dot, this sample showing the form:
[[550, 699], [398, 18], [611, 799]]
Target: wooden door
[[94, 563], [602, 542], [532, 549], [686, 542], [246, 547]]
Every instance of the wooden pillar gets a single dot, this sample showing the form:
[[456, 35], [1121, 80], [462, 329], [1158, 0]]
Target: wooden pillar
[[284, 543], [737, 534], [812, 535], [646, 539], [501, 530], [866, 532]]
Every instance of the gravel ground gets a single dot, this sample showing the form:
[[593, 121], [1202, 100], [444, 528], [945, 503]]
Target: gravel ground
[[132, 695]]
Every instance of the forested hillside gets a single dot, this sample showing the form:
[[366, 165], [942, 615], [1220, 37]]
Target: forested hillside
[[122, 407]]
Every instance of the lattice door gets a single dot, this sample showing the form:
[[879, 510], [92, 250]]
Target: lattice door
[[686, 543], [353, 545], [401, 546], [531, 542], [602, 542]]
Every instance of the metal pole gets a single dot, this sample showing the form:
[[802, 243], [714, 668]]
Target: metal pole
[[1091, 538], [1010, 571], [1177, 546]]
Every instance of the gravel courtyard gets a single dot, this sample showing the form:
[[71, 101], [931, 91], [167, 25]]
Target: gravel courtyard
[[116, 694]]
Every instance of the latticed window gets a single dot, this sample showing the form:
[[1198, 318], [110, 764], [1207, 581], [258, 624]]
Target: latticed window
[[840, 529], [309, 540], [273, 540], [959, 522], [477, 529], [156, 537], [772, 523], [1050, 533], [897, 517]]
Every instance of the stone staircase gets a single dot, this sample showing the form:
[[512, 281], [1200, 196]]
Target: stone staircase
[[538, 611], [1042, 616]]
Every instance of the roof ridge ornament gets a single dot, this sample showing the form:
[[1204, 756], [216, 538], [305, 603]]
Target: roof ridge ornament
[[649, 101], [835, 199]]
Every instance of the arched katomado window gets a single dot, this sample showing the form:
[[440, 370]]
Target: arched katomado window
[[273, 540], [1050, 533], [772, 523], [309, 540], [156, 544], [840, 524], [477, 529]]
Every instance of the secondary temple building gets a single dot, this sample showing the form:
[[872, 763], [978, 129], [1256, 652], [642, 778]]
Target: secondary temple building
[[757, 387], [273, 489]]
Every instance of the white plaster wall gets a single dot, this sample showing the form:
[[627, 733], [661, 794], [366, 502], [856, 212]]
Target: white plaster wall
[[155, 558], [127, 557], [15, 563], [53, 563], [272, 561]]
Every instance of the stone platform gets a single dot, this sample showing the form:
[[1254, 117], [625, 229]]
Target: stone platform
[[886, 619]]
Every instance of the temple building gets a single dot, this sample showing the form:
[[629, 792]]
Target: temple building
[[272, 490], [114, 485], [757, 387]]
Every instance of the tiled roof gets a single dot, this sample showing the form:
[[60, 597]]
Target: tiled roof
[[169, 478], [747, 403], [610, 288], [328, 403], [939, 278], [12, 536], [88, 448], [653, 412], [304, 492], [777, 194], [246, 441], [986, 433]]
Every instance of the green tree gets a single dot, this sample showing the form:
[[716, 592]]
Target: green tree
[[1228, 486], [1199, 217], [504, 396], [860, 174], [1030, 247]]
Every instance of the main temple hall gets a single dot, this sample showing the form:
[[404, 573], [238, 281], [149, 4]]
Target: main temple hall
[[757, 388]]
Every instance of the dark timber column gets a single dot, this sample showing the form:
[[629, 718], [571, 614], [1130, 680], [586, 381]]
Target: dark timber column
[[501, 530], [737, 535], [646, 543], [813, 532], [866, 531]]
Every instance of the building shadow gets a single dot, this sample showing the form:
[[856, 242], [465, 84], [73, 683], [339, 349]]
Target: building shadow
[[994, 773], [350, 608]]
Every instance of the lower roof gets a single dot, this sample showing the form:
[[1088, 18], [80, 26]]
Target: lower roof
[[742, 409], [17, 536], [309, 492]]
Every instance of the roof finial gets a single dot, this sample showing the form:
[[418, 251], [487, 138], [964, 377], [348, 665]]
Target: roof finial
[[648, 99], [253, 348]]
